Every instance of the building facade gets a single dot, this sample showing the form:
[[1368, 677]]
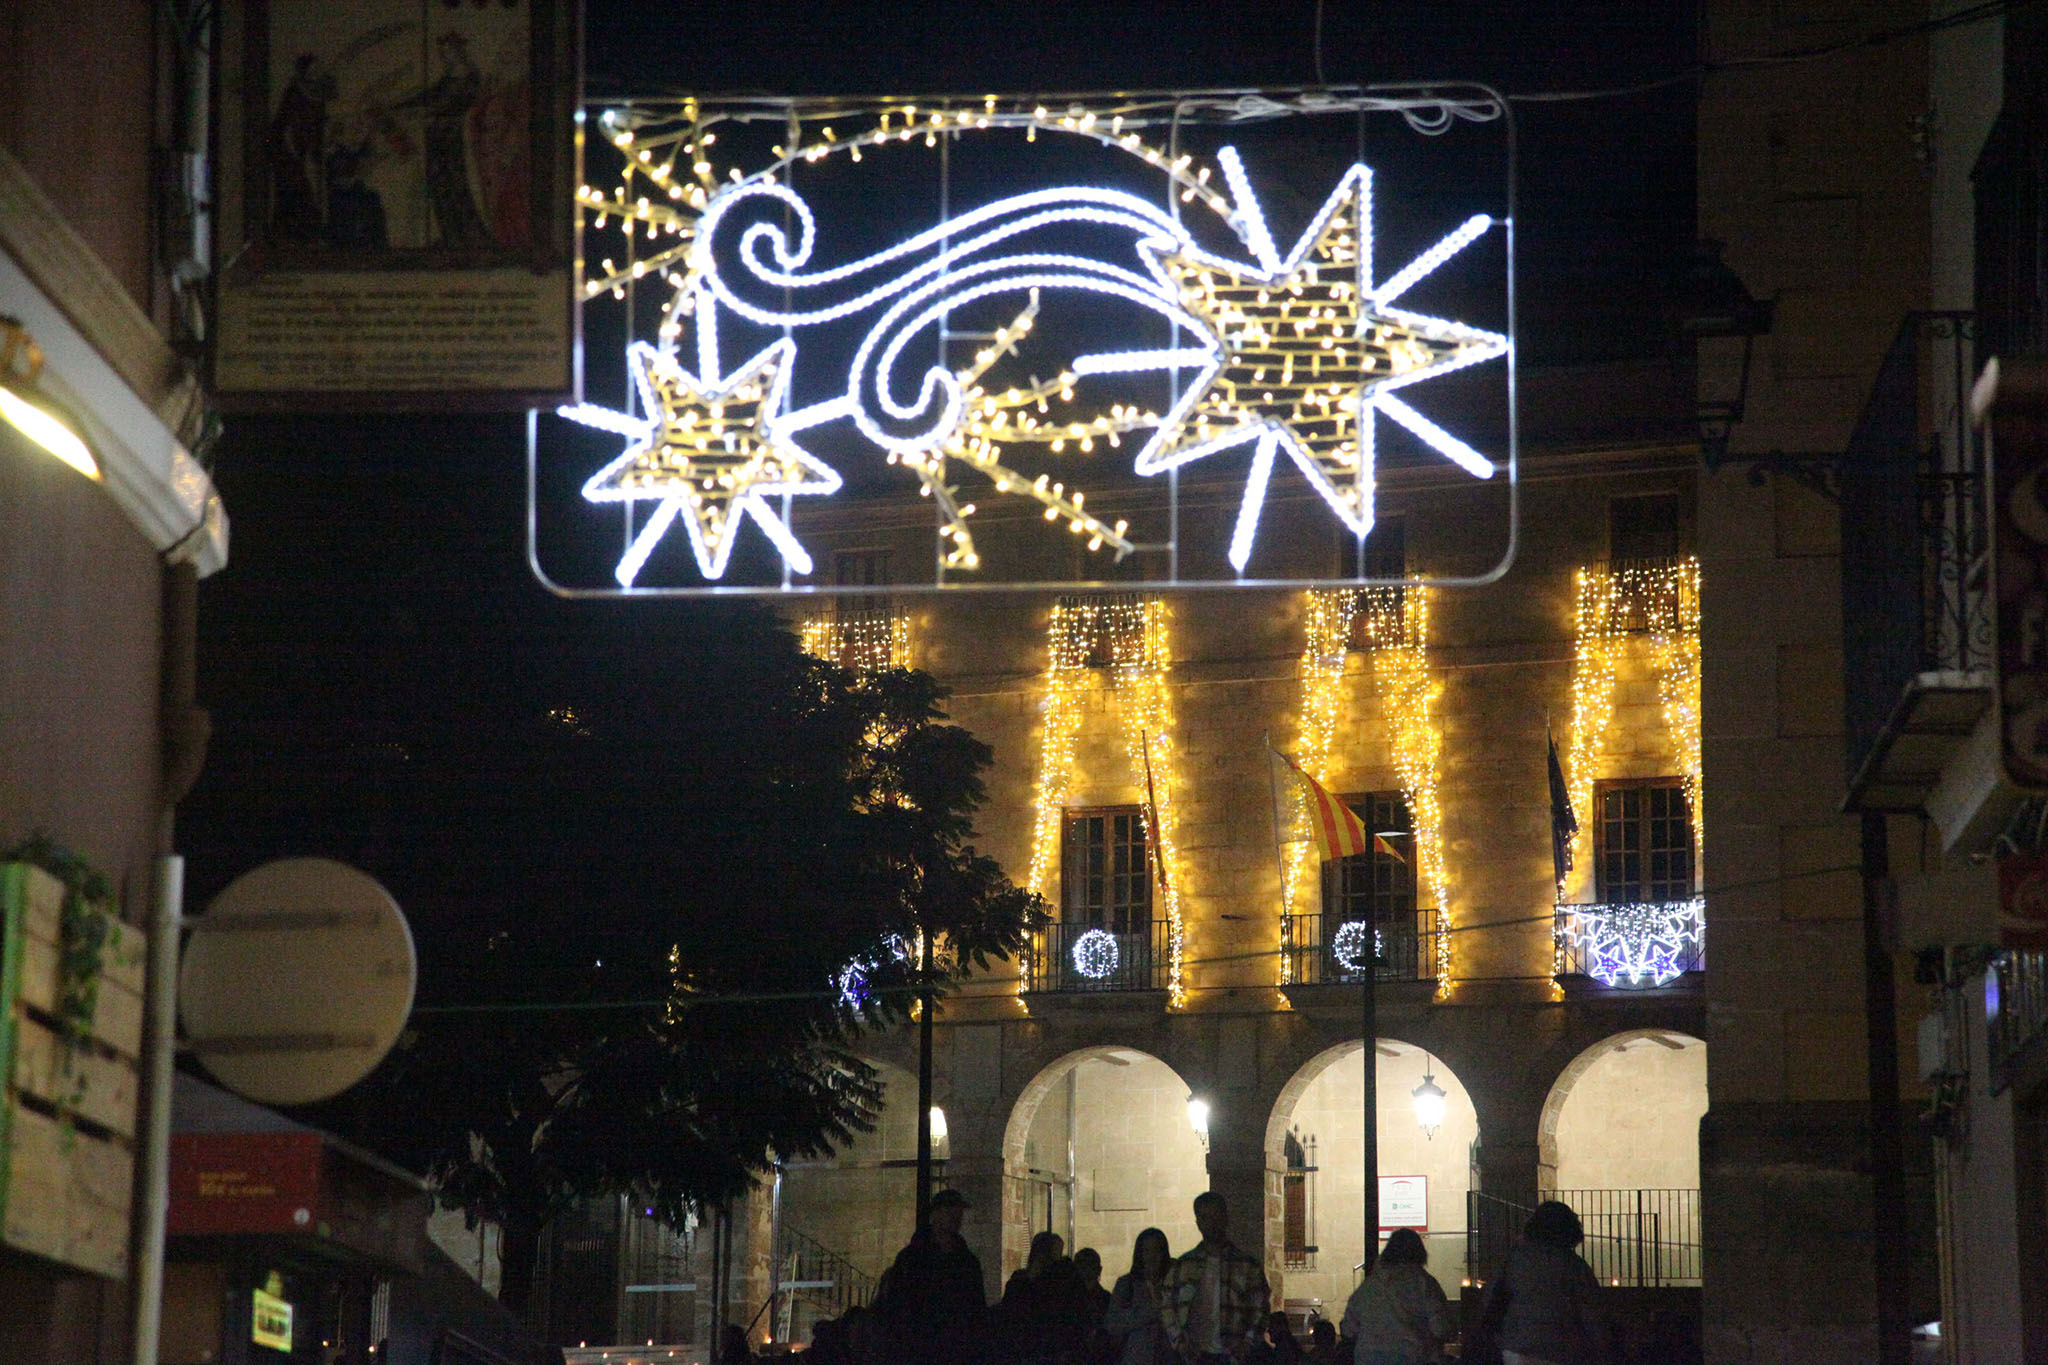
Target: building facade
[[98, 564]]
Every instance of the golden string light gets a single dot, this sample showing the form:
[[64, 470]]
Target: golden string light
[[1131, 637], [1012, 416], [1391, 624], [1617, 607], [862, 640]]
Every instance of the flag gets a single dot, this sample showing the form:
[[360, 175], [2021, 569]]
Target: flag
[[1339, 833], [1564, 826], [1380, 845]]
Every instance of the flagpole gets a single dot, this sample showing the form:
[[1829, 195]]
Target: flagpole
[[1279, 853]]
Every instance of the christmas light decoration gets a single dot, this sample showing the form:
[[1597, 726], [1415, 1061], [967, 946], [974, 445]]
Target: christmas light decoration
[[1647, 607], [1304, 348], [1392, 625], [1348, 946], [710, 448], [1096, 954], [1289, 353], [1130, 638], [863, 641], [1636, 943]]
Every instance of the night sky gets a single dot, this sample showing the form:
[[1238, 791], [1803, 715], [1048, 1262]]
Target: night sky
[[378, 594]]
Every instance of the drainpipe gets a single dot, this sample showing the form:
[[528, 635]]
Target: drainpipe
[[1892, 1259], [185, 730]]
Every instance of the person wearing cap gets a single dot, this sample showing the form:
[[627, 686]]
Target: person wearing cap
[[931, 1301]]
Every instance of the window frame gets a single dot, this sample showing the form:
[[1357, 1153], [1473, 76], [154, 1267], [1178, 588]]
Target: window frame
[[1604, 886], [1133, 916], [1384, 905]]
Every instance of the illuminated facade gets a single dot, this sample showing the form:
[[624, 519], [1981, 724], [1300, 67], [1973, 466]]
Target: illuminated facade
[[1200, 949]]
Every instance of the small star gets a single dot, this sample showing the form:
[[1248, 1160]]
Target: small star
[[1304, 349], [710, 452]]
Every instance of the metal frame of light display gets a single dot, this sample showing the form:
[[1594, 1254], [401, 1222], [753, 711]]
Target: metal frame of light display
[[752, 332]]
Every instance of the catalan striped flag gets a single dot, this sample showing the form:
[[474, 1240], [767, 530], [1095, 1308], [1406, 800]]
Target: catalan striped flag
[[1338, 832]]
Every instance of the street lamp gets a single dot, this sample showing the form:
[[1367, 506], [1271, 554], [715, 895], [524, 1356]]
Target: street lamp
[[1713, 302], [29, 410], [1198, 1118], [939, 1146], [1429, 1103]]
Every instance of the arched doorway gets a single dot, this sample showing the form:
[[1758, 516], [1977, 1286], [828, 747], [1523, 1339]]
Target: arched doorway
[[1619, 1140], [1315, 1206], [1098, 1147]]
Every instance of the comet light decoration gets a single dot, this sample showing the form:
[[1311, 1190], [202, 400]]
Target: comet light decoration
[[1295, 353], [1347, 945], [1128, 638], [1637, 944]]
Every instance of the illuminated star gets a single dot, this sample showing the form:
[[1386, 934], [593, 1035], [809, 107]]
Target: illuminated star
[[709, 451], [1303, 349]]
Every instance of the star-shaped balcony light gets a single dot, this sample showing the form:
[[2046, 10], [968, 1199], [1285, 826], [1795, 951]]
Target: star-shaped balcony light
[[710, 451], [1637, 943], [1303, 350]]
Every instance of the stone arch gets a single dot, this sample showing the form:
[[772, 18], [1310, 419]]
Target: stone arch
[[1684, 1083], [1130, 1158], [1315, 1092]]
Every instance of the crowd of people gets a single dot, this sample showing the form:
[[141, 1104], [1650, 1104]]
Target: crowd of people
[[1210, 1306]]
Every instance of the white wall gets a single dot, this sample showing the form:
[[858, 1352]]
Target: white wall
[[1137, 1162], [1631, 1121]]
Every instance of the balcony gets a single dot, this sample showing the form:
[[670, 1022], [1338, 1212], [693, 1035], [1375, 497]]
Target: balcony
[[864, 635], [1637, 1238], [1916, 611], [1089, 959], [1630, 947], [1407, 950]]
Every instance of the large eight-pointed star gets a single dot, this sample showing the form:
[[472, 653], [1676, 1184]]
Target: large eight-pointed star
[[1304, 349], [714, 449]]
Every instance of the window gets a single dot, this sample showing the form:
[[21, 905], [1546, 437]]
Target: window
[[1378, 884], [1642, 841], [1643, 527], [1106, 876], [861, 568], [1298, 1200]]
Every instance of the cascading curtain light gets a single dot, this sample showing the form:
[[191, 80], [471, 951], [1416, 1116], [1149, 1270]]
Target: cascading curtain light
[[1656, 601], [1392, 625], [1132, 638], [864, 642]]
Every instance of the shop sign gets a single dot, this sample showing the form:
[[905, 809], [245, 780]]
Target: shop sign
[[229, 1183], [270, 1315]]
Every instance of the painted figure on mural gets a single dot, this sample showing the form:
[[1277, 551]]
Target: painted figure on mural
[[445, 105], [296, 146]]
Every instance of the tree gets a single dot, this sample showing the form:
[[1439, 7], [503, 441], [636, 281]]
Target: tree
[[636, 883]]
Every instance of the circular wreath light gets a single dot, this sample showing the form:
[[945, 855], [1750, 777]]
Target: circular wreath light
[[1351, 948], [1096, 954]]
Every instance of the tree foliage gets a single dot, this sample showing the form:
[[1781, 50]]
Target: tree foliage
[[635, 873]]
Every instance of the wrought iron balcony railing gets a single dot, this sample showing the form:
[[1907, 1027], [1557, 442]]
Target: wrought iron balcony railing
[[1632, 946], [1916, 611], [864, 635], [1633, 1237], [1089, 958], [1325, 948]]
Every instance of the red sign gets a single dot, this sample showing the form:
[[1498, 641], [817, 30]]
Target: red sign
[[2023, 901], [244, 1182]]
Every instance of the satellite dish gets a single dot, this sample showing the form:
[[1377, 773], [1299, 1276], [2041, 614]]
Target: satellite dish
[[297, 980]]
